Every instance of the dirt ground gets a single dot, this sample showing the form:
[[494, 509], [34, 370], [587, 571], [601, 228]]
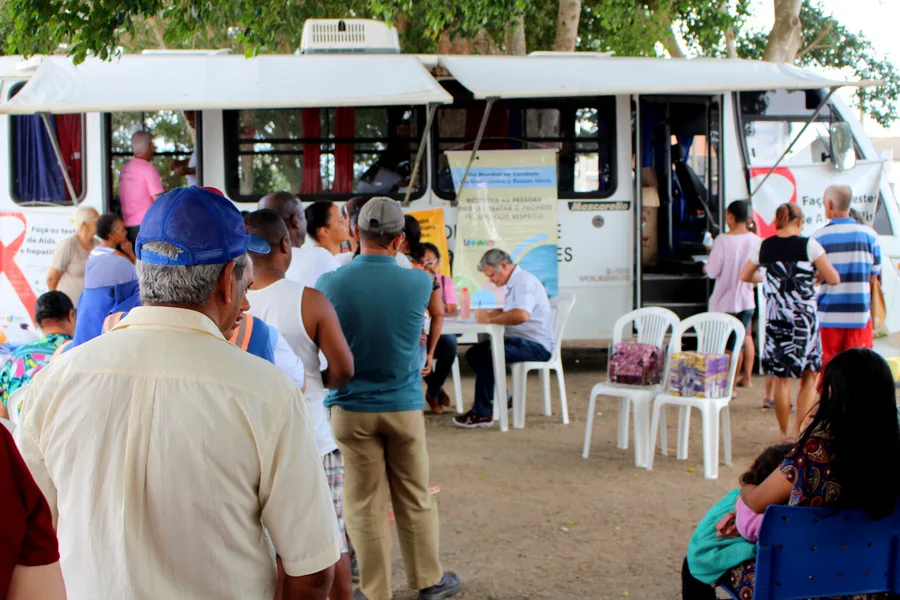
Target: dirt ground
[[524, 516]]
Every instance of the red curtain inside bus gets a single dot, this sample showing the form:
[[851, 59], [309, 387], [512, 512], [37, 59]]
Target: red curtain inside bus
[[312, 153], [68, 133], [344, 127]]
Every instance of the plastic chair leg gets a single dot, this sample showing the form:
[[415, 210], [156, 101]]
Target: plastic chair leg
[[684, 428], [457, 386], [624, 414], [710, 416], [658, 407], [589, 426], [663, 434], [642, 443], [518, 395], [545, 381], [564, 405], [726, 436]]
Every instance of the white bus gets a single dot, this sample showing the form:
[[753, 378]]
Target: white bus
[[651, 151]]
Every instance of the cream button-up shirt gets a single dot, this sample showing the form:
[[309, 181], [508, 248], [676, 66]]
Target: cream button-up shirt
[[164, 451]]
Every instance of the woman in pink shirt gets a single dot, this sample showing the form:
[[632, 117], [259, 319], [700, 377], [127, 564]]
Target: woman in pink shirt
[[729, 254]]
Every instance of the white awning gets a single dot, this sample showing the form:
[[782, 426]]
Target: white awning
[[592, 75], [196, 82]]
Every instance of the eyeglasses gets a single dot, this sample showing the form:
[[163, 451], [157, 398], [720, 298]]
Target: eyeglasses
[[431, 263]]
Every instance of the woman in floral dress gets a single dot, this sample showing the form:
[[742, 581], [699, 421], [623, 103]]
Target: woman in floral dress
[[793, 348], [838, 460]]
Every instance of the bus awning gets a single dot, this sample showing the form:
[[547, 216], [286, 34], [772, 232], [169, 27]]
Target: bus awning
[[196, 82], [592, 75]]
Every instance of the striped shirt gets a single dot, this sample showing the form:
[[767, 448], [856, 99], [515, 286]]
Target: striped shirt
[[854, 251]]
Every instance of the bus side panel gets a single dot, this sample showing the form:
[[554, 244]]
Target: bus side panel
[[735, 172]]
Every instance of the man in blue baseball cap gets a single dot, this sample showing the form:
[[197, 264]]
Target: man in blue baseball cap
[[183, 459]]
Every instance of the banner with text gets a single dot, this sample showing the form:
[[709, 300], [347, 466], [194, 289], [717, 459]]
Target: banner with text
[[805, 184], [432, 224], [509, 202], [27, 244]]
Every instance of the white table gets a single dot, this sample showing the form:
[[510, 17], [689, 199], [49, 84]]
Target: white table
[[462, 327]]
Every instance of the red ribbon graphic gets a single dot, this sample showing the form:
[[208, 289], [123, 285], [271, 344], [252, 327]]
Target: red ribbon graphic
[[767, 230], [11, 269]]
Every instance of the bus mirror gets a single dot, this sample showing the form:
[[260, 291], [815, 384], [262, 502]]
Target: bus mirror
[[843, 151]]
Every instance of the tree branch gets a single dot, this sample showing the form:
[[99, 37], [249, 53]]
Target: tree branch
[[671, 43], [817, 42], [515, 36]]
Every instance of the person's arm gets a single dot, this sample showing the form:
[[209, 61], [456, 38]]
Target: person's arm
[[819, 258], [509, 318], [42, 582], [876, 260], [436, 310], [450, 299], [750, 273], [713, 265], [775, 489], [288, 361], [329, 337], [154, 184], [306, 540], [62, 256]]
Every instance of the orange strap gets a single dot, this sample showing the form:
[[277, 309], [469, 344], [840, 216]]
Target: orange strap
[[111, 321], [241, 335], [60, 349]]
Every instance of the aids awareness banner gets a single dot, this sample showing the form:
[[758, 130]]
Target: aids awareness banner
[[805, 184], [432, 224], [27, 243], [509, 202]]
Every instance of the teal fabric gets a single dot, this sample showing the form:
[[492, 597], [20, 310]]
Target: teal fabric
[[381, 307], [709, 557]]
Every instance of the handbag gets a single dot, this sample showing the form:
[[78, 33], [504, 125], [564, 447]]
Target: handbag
[[878, 309]]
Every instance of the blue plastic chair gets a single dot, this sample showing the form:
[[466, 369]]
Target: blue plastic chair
[[821, 552]]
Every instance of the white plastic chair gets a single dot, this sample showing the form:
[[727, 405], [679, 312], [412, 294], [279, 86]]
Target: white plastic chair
[[713, 331], [652, 324], [561, 312]]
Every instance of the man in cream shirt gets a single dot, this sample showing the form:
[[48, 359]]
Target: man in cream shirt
[[166, 453]]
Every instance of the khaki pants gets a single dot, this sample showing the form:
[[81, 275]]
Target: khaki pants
[[386, 453]]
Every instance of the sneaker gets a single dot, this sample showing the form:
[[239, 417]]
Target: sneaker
[[448, 586], [470, 421], [444, 398]]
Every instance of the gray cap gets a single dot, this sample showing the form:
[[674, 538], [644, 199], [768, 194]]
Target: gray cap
[[382, 215]]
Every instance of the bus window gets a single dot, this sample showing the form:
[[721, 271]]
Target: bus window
[[771, 120], [583, 130], [35, 173], [173, 140], [331, 153]]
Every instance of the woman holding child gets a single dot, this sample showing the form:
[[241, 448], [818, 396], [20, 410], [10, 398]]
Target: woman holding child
[[836, 463]]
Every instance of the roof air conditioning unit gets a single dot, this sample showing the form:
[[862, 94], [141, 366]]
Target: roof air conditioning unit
[[348, 35]]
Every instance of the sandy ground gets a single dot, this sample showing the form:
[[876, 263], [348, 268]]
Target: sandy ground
[[524, 516]]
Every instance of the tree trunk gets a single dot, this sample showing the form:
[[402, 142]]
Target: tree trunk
[[787, 32], [567, 25], [515, 36], [730, 41], [671, 43], [484, 44]]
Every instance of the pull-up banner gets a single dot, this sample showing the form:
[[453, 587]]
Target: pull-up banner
[[509, 202]]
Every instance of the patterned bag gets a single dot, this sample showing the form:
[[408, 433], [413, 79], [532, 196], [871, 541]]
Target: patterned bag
[[631, 363]]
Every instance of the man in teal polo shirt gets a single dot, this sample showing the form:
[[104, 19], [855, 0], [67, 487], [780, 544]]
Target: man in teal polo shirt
[[377, 417]]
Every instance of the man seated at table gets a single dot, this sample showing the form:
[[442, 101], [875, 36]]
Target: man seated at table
[[528, 320]]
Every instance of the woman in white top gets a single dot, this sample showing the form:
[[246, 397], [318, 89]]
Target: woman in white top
[[326, 225]]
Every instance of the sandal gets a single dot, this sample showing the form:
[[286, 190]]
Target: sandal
[[768, 403]]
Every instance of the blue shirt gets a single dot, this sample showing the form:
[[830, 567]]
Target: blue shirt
[[381, 308], [854, 251], [105, 268]]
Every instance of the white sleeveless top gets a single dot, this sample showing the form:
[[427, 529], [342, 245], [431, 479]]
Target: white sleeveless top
[[281, 305]]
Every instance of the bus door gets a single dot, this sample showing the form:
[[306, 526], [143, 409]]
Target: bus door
[[680, 174]]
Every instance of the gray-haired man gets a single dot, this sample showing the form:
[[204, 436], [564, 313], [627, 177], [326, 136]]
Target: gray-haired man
[[202, 447], [529, 331]]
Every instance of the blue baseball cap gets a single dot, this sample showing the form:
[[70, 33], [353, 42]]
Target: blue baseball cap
[[204, 225]]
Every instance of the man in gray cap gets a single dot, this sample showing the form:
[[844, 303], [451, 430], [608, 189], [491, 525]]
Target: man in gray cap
[[377, 418]]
